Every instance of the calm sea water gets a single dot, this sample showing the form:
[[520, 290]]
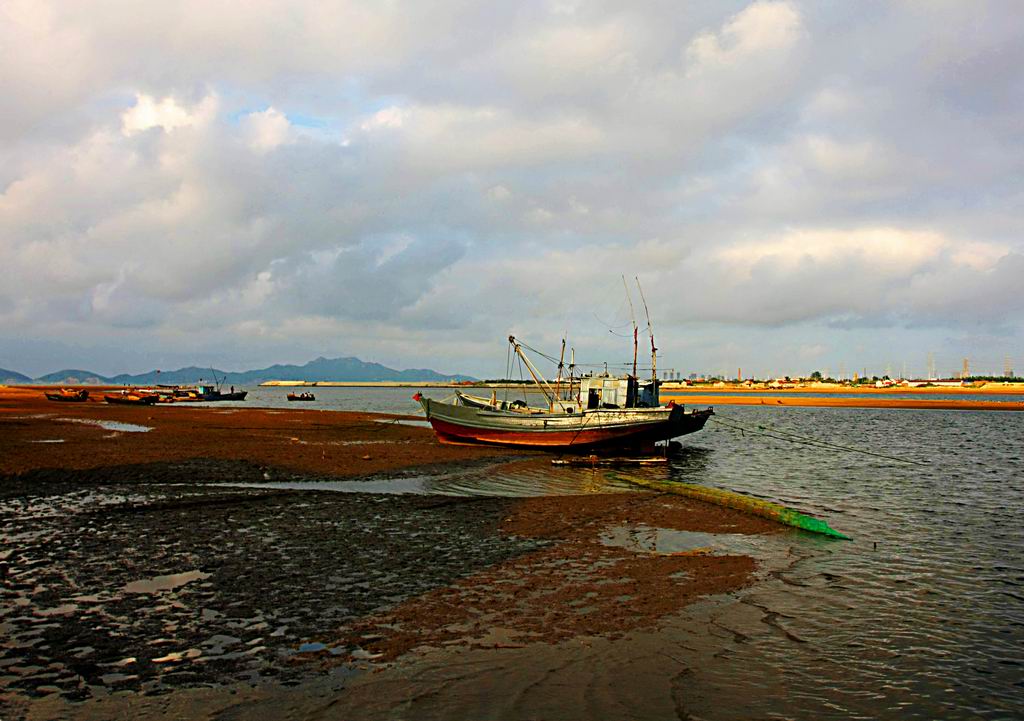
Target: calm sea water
[[921, 616], [377, 400], [995, 397], [399, 400]]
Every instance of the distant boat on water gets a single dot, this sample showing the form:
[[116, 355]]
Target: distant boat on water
[[301, 397]]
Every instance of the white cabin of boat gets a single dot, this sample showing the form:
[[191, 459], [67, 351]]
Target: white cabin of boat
[[607, 391]]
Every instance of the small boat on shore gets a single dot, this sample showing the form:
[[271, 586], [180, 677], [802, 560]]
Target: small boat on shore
[[301, 397], [69, 395], [131, 398]]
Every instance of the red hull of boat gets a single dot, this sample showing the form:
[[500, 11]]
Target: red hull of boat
[[452, 433]]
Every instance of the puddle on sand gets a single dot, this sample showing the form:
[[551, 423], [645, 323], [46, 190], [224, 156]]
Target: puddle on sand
[[649, 539], [315, 647], [109, 425], [164, 583], [62, 610]]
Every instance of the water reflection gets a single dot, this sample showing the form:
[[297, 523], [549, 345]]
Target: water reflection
[[164, 583], [669, 541], [116, 426]]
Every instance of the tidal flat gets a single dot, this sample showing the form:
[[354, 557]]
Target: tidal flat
[[173, 571], [398, 578]]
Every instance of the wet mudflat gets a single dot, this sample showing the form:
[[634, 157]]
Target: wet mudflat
[[147, 587], [153, 581]]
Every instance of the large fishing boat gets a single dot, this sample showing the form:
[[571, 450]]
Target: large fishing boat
[[202, 392], [596, 412]]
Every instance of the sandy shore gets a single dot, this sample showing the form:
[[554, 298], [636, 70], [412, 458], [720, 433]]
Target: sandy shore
[[136, 585], [981, 390], [309, 441], [783, 399]]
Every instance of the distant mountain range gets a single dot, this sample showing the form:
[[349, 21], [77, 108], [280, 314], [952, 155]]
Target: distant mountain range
[[321, 369], [11, 377]]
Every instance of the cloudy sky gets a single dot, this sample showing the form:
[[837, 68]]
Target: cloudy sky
[[797, 185]]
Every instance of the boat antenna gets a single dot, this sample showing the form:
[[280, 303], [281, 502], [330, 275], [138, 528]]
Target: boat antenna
[[572, 372], [215, 378], [650, 332], [632, 317], [558, 382]]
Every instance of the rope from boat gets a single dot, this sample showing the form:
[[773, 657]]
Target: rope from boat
[[540, 353], [586, 420], [771, 432]]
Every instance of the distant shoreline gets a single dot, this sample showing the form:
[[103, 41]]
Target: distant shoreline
[[672, 388], [779, 400], [667, 387], [966, 398]]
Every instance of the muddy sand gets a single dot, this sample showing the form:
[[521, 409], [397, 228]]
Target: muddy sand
[[136, 586]]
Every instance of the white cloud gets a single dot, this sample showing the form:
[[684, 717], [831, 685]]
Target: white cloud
[[979, 255], [760, 28], [499, 192], [266, 130], [392, 117], [166, 114], [888, 250], [448, 138]]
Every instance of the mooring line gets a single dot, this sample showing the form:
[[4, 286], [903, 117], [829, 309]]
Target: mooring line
[[797, 438]]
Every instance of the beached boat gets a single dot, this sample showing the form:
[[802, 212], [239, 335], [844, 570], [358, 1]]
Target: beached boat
[[301, 397], [68, 395], [131, 398], [605, 411], [207, 393]]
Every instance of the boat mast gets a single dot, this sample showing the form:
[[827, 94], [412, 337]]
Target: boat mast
[[650, 332], [537, 378], [632, 317], [572, 373], [558, 383]]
